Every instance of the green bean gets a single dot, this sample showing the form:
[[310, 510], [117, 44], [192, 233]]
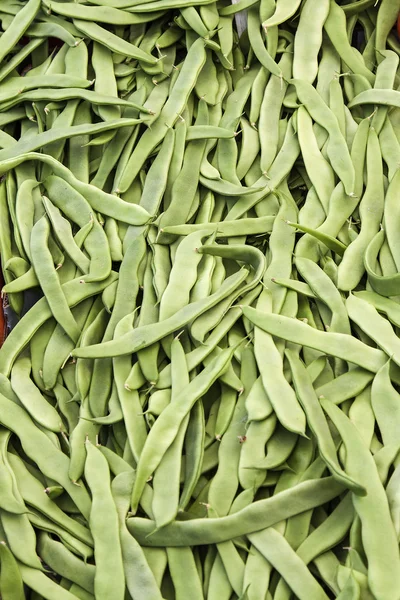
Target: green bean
[[168, 423], [139, 578], [282, 165], [63, 231], [219, 585], [59, 347], [390, 213], [384, 398], [129, 398], [47, 276], [50, 460], [104, 14], [255, 517], [278, 552], [258, 405], [197, 355], [18, 26], [57, 95], [16, 85], [258, 45], [194, 452], [32, 491], [336, 344], [283, 401], [43, 585], [386, 18], [207, 82], [31, 398], [385, 78], [99, 200], [337, 148], [393, 499], [184, 573], [335, 26], [376, 501], [177, 293], [371, 206], [166, 476], [380, 97], [382, 304], [52, 29], [355, 7], [18, 58], [317, 422], [135, 340], [115, 412], [104, 525], [270, 110], [111, 41], [329, 241], [11, 501], [169, 114], [250, 147], [11, 585], [24, 282], [178, 211], [329, 532], [74, 545], [324, 289], [390, 147], [318, 169], [93, 333], [18, 530], [25, 146], [23, 332], [225, 483], [374, 325], [283, 11], [308, 40], [253, 463], [345, 386], [385, 285]]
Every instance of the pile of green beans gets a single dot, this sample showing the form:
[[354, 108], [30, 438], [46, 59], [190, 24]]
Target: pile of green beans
[[199, 237]]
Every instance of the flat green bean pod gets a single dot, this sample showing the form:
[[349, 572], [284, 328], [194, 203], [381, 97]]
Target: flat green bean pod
[[365, 469], [99, 200], [385, 285], [200, 132], [336, 344], [18, 26], [51, 136], [166, 427], [148, 334], [104, 14], [250, 226], [174, 106], [380, 97], [255, 517], [317, 422], [22, 333], [57, 95], [113, 42]]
